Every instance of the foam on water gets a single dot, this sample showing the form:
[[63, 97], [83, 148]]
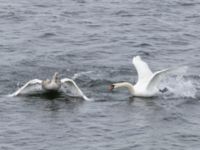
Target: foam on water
[[77, 75], [181, 87]]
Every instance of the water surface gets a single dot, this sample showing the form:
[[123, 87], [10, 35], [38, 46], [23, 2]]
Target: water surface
[[95, 41]]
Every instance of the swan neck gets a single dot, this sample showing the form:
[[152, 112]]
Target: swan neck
[[126, 85], [55, 77]]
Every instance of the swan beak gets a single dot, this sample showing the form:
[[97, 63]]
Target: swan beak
[[111, 87]]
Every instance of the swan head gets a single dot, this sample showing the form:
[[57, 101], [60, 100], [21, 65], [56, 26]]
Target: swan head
[[111, 87]]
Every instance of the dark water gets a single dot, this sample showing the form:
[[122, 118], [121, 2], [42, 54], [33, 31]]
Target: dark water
[[94, 42]]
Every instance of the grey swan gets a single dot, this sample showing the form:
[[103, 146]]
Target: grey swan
[[55, 84]]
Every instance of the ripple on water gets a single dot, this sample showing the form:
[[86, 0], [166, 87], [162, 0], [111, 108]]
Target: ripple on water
[[94, 42]]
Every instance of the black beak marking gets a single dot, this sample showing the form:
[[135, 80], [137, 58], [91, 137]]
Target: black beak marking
[[111, 87]]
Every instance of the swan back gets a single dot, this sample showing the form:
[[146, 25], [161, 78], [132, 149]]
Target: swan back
[[53, 84]]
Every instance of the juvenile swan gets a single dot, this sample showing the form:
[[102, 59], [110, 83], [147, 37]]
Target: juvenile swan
[[55, 84], [147, 84]]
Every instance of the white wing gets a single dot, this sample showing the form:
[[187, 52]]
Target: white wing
[[159, 75], [30, 87], [156, 78], [68, 85], [143, 70]]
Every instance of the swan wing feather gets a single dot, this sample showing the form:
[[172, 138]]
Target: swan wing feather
[[142, 68], [69, 86], [159, 75], [30, 87]]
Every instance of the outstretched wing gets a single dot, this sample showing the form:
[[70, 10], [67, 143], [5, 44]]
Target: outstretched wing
[[142, 68], [69, 86], [156, 78], [29, 88], [159, 75]]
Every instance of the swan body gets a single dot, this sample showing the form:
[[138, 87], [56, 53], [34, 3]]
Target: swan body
[[65, 85], [147, 84], [53, 84]]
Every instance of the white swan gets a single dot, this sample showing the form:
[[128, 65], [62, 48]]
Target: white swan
[[147, 84], [55, 84]]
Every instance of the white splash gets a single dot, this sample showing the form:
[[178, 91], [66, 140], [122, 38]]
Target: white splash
[[76, 75], [181, 87]]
